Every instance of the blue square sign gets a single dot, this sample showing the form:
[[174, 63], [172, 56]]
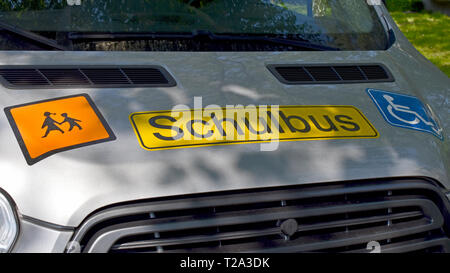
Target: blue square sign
[[405, 111]]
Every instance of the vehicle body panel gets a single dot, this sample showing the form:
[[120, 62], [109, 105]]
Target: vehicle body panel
[[65, 188]]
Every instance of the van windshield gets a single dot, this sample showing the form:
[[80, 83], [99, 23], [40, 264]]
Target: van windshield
[[190, 25]]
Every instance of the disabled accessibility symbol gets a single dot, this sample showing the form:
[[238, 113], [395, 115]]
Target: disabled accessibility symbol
[[405, 111], [47, 127]]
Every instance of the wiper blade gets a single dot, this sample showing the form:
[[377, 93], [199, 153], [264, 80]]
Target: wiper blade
[[276, 40], [202, 35], [31, 35], [282, 41]]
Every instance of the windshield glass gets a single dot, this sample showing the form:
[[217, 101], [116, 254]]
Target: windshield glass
[[191, 25]]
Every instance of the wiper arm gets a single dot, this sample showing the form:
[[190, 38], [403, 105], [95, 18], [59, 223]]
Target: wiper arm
[[201, 35], [32, 36]]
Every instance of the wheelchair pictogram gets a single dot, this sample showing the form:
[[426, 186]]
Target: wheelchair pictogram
[[405, 111]]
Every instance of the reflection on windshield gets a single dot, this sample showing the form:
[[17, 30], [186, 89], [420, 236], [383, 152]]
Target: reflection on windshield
[[350, 24]]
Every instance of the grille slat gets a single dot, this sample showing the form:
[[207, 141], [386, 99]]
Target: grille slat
[[422, 244], [196, 239], [413, 245], [265, 232], [314, 243], [331, 217], [344, 238], [85, 77], [330, 74]]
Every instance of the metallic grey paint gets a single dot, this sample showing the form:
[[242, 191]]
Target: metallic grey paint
[[65, 188]]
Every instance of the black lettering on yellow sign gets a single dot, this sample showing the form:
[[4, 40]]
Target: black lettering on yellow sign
[[305, 125], [188, 128]]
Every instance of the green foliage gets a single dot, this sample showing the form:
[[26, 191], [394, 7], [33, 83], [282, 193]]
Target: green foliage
[[20, 5], [405, 5], [197, 3], [429, 33]]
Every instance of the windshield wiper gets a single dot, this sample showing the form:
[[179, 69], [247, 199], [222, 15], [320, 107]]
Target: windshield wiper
[[32, 36], [205, 35]]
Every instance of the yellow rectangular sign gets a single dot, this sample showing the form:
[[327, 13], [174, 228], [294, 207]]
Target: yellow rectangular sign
[[183, 128]]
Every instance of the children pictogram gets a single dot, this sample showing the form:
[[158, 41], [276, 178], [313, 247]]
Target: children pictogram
[[44, 128], [72, 122], [50, 124]]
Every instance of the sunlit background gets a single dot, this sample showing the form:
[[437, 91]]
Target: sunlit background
[[427, 25]]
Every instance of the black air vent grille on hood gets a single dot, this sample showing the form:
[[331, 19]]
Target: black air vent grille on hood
[[28, 77], [23, 77], [63, 76], [330, 74]]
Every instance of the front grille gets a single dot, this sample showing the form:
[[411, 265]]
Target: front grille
[[402, 215], [331, 74], [27, 77]]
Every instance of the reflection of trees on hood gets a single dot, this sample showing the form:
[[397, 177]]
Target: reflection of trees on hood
[[350, 24], [247, 16], [261, 17], [22, 5], [331, 23], [320, 7]]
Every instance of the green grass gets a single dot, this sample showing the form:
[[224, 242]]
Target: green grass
[[429, 33], [404, 5]]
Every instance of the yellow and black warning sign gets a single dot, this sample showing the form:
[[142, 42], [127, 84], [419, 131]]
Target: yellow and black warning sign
[[173, 129], [46, 127]]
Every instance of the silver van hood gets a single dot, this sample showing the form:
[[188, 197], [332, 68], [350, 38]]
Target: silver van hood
[[64, 188]]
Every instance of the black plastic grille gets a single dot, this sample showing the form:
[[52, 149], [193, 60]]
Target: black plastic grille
[[350, 73], [62, 77], [143, 76], [24, 77], [374, 72], [294, 74], [106, 76], [322, 74], [85, 77], [405, 215]]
